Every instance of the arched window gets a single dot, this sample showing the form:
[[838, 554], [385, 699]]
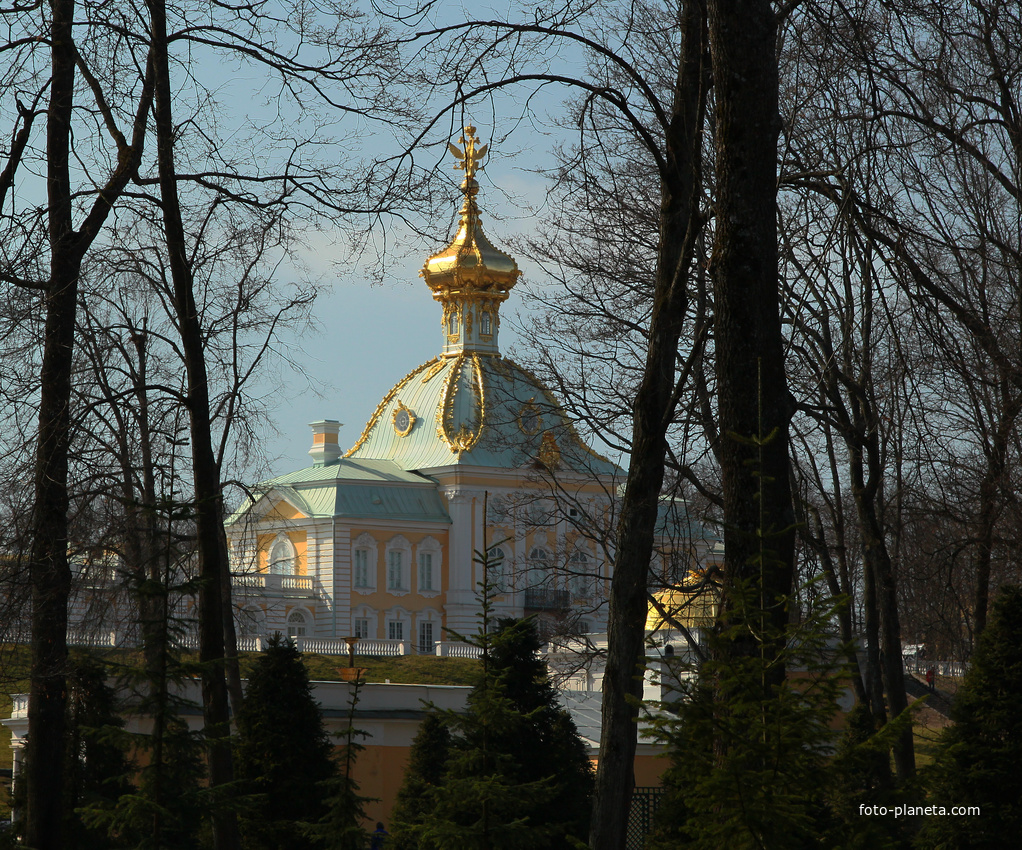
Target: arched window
[[452, 323], [250, 621], [282, 557], [580, 570], [539, 567], [485, 323], [297, 624], [497, 570]]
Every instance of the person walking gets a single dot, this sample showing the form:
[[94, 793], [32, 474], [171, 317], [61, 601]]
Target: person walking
[[378, 837], [931, 677]]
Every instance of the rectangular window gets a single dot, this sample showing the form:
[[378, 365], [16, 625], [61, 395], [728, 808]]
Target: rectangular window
[[426, 571], [361, 559], [426, 638], [395, 570], [361, 628], [395, 630]]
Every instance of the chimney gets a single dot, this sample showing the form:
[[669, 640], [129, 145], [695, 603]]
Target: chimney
[[325, 449]]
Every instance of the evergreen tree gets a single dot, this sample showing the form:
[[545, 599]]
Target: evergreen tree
[[283, 752], [341, 827], [978, 764], [427, 765], [502, 790], [549, 738], [97, 764], [749, 772]]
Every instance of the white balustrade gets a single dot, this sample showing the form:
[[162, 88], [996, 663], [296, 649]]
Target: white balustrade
[[456, 649]]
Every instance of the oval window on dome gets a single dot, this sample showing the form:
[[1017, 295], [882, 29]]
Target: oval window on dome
[[403, 420], [529, 419]]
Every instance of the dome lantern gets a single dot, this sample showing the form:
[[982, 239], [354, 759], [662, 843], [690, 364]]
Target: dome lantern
[[471, 278]]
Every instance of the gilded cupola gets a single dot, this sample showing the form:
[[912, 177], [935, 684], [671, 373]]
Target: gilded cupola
[[470, 278], [469, 406]]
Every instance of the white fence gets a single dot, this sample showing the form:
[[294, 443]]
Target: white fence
[[272, 581], [318, 645], [914, 664]]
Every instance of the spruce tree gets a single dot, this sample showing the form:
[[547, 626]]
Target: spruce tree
[[427, 765], [341, 827], [97, 764], [549, 739], [504, 788], [283, 752], [980, 754], [749, 772]]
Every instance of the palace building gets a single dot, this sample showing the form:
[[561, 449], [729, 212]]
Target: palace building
[[468, 453]]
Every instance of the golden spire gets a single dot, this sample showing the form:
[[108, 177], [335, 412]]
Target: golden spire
[[470, 277]]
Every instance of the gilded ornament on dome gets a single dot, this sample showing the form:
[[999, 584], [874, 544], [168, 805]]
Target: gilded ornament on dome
[[549, 453], [403, 420], [471, 159], [433, 370]]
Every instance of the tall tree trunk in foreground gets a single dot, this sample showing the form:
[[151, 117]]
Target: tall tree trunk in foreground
[[754, 405], [211, 545], [50, 571], [655, 401]]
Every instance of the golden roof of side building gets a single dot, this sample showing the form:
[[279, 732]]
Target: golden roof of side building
[[692, 609]]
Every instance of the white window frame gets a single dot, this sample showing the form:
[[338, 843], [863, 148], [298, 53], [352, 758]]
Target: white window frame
[[498, 569], [360, 567], [395, 569], [427, 638], [282, 552], [366, 542], [426, 571], [398, 559], [580, 578], [306, 620], [395, 629], [539, 567], [434, 619], [367, 614], [398, 616], [360, 627], [429, 547]]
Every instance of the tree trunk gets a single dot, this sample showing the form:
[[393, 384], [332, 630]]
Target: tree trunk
[[754, 405], [653, 409], [50, 573], [212, 549]]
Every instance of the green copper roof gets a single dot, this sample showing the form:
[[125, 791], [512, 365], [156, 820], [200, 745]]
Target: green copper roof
[[357, 489], [475, 410]]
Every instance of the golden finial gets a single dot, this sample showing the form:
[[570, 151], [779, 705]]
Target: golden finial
[[471, 159]]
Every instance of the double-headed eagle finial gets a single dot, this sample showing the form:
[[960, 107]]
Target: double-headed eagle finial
[[471, 159]]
